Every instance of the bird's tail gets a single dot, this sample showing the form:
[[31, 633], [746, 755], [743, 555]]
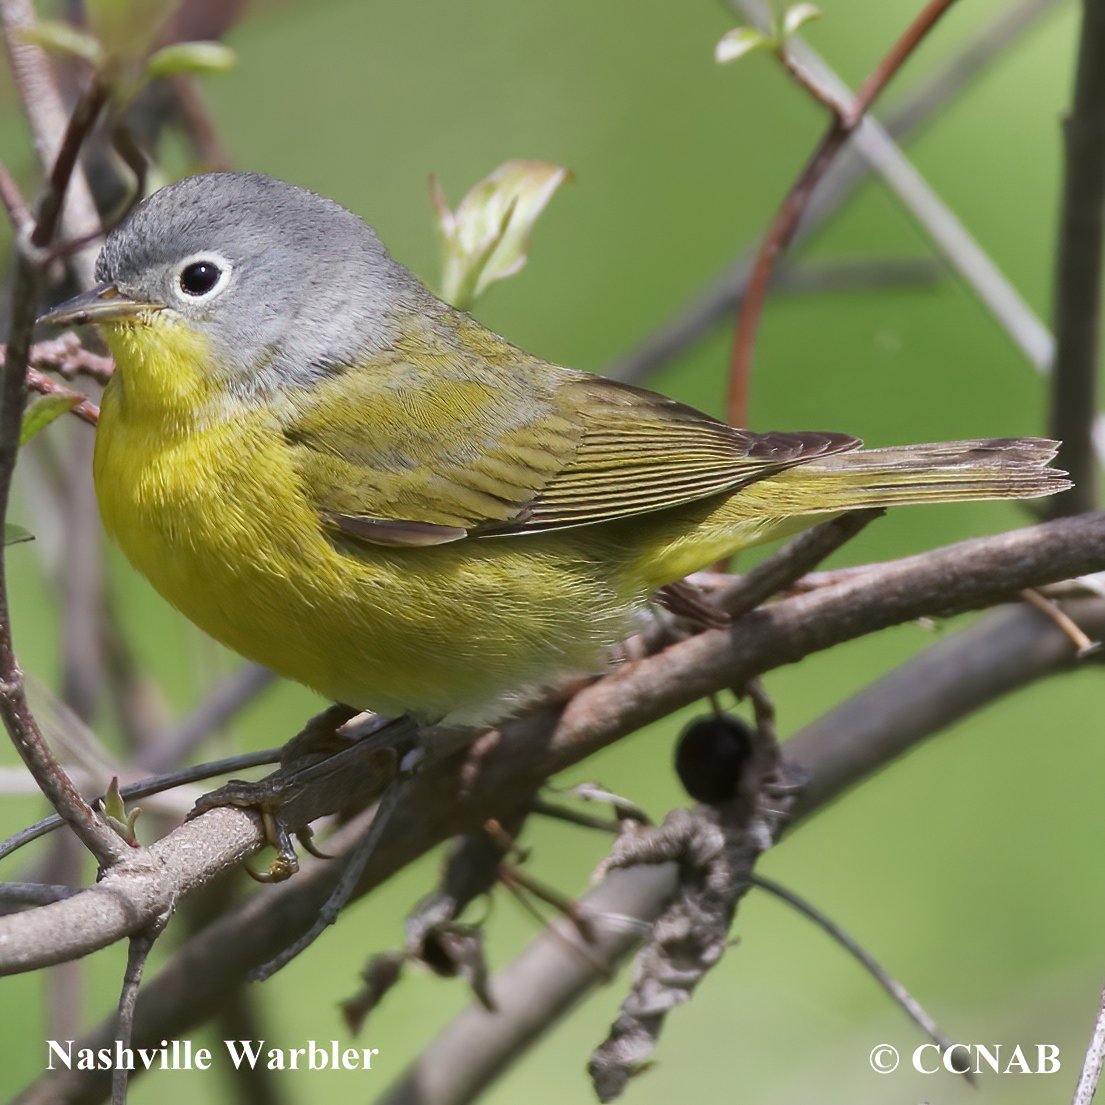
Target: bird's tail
[[949, 471], [795, 498]]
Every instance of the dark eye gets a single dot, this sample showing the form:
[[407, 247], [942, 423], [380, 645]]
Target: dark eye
[[199, 277]]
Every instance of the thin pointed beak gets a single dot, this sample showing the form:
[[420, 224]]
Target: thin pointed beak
[[104, 303]]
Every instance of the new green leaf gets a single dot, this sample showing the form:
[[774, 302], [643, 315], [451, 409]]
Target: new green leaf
[[487, 237], [15, 535], [42, 412], [739, 41], [117, 815], [798, 16], [55, 36], [197, 58]]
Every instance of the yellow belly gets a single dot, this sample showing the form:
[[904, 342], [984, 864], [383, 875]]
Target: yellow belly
[[213, 516]]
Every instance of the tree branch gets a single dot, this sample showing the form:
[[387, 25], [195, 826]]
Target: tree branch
[[792, 561], [1074, 387], [83, 407], [1095, 1058]]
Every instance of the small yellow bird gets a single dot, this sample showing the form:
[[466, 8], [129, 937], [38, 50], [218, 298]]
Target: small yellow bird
[[344, 479]]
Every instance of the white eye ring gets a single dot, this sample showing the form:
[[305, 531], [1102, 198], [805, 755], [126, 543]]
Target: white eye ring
[[197, 271]]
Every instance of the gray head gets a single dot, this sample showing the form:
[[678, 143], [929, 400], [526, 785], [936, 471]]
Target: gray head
[[286, 284]]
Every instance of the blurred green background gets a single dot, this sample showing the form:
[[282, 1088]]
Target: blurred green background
[[973, 868]]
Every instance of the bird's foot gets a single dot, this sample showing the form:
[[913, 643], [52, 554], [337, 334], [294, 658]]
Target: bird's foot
[[329, 764]]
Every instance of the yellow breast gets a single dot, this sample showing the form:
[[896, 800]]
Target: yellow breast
[[201, 495], [204, 504]]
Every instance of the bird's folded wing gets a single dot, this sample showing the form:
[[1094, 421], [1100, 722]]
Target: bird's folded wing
[[427, 461]]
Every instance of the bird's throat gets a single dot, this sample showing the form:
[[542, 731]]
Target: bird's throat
[[163, 377]]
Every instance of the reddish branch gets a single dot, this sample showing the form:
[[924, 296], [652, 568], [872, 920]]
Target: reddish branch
[[846, 119], [66, 356], [84, 408], [935, 90]]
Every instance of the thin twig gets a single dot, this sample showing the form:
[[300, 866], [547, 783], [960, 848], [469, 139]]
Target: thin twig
[[83, 407], [1083, 644], [1078, 268], [15, 206], [791, 562], [85, 113], [510, 872], [782, 229], [1095, 1058], [138, 951], [898, 993], [351, 874], [33, 893], [577, 946], [66, 356]]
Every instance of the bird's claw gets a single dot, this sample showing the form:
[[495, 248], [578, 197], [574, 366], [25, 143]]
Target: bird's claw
[[265, 798]]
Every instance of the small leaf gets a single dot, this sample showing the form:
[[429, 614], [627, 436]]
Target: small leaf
[[16, 535], [740, 41], [116, 815], [126, 28], [42, 412], [486, 238], [191, 57], [798, 16], [55, 36]]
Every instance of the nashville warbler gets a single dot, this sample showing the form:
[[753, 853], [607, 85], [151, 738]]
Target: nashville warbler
[[342, 478]]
